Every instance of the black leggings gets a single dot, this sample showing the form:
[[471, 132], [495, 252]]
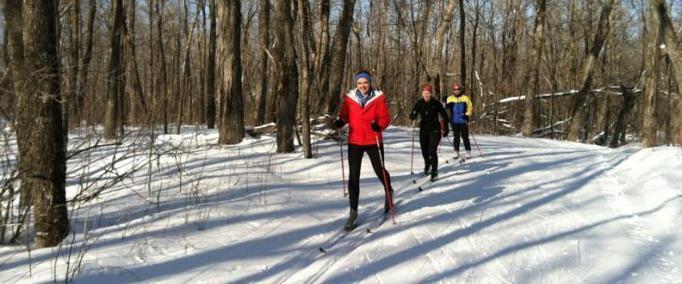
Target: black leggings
[[355, 153], [428, 141], [463, 131]]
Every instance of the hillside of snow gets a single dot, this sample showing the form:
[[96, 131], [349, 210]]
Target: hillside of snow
[[528, 210]]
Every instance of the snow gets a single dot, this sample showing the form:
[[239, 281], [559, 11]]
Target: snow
[[528, 210]]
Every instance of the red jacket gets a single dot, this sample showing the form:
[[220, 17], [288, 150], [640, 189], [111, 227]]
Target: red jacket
[[360, 119]]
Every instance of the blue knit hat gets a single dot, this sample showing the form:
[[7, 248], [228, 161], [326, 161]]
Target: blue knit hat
[[363, 74]]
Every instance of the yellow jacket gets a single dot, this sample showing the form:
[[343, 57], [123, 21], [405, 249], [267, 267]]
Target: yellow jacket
[[458, 107]]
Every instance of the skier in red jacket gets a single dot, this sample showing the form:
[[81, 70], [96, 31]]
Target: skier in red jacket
[[365, 110]]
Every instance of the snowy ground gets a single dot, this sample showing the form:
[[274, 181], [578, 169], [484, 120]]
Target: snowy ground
[[529, 210]]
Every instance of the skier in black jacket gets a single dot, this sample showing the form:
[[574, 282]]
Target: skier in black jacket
[[431, 128]]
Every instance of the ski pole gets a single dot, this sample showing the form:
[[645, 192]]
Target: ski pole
[[343, 167], [383, 171], [412, 157], [471, 132]]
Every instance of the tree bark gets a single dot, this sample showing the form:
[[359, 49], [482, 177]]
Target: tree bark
[[321, 68], [652, 73], [619, 128], [462, 46], [286, 76], [85, 65], [305, 38], [163, 86], [338, 55], [437, 66], [40, 135], [263, 42], [16, 69], [230, 104], [74, 53], [534, 76], [579, 104], [211, 70], [115, 86], [673, 47]]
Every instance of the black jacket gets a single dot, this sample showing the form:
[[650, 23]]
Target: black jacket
[[429, 115]]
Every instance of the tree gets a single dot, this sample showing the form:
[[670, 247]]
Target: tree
[[263, 42], [85, 65], [651, 76], [230, 104], [321, 68], [462, 44], [115, 90], [437, 66], [673, 48], [211, 70], [40, 136], [338, 55], [579, 104], [534, 74], [286, 77], [17, 72], [306, 65], [74, 53]]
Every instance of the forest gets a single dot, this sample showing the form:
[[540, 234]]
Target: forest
[[77, 75]]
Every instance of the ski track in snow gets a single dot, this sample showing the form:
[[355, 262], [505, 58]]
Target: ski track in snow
[[527, 211]]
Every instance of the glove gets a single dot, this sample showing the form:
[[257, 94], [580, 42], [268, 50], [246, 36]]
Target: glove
[[446, 132], [413, 116], [466, 118], [376, 127], [339, 123]]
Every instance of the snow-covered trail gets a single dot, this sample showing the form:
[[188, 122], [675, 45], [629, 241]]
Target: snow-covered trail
[[529, 210]]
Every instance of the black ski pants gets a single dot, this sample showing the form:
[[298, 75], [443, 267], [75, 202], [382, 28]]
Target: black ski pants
[[428, 141], [461, 130], [355, 153]]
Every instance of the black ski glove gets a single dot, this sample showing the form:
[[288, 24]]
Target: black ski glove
[[339, 123], [466, 118], [413, 115], [376, 127], [446, 131]]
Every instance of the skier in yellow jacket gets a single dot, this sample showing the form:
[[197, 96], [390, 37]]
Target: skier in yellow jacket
[[459, 109]]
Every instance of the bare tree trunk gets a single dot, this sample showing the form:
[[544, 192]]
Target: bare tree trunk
[[137, 107], [462, 45], [628, 104], [321, 68], [305, 38], [651, 77], [163, 87], [230, 105], [437, 66], [40, 135], [85, 65], [338, 55], [579, 106], [534, 74], [286, 77], [115, 89], [74, 52], [186, 90], [211, 70], [263, 42], [16, 68], [673, 47]]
